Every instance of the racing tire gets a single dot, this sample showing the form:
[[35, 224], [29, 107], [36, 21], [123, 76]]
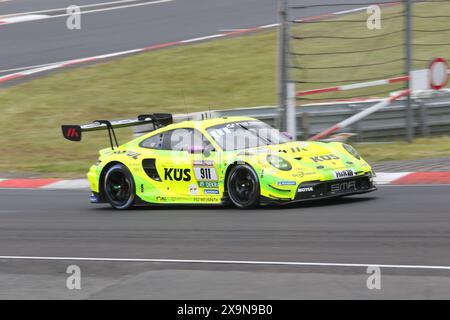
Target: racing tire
[[243, 187], [119, 187]]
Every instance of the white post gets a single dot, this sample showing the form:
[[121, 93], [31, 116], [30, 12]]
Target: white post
[[291, 116]]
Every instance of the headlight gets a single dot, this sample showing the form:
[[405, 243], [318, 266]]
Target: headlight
[[279, 162], [352, 151]]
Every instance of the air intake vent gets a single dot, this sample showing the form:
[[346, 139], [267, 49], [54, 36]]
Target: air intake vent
[[149, 166]]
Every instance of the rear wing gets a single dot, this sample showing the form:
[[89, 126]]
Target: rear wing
[[74, 132]]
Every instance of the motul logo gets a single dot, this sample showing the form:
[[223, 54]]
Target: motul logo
[[72, 133]]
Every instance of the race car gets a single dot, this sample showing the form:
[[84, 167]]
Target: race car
[[227, 160]]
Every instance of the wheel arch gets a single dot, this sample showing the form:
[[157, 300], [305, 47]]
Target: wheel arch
[[102, 177], [231, 166]]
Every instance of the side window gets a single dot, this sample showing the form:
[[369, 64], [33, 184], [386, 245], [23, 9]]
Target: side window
[[180, 139], [183, 139], [154, 142]]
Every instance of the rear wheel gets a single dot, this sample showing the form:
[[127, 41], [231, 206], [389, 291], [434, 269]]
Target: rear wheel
[[243, 187], [119, 187]]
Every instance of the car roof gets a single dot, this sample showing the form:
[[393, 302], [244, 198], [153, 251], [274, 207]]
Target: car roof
[[197, 124], [208, 122]]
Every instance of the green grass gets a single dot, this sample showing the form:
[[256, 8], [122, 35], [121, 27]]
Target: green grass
[[436, 147], [226, 73]]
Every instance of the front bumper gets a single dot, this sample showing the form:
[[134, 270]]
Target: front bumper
[[334, 188], [315, 190]]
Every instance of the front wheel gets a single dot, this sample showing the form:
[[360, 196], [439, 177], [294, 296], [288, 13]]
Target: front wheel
[[243, 187], [119, 187]]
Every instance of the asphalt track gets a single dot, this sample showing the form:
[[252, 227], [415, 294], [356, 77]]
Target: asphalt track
[[398, 225], [49, 41]]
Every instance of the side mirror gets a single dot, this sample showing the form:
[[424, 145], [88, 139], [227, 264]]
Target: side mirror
[[287, 135], [207, 150]]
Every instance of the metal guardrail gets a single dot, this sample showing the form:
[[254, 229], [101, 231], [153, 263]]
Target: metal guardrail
[[431, 116]]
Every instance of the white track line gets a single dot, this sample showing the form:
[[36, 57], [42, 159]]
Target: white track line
[[30, 67], [65, 8], [350, 10], [23, 18], [7, 20], [240, 262], [204, 38]]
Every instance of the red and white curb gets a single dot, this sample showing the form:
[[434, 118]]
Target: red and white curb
[[51, 184], [382, 178]]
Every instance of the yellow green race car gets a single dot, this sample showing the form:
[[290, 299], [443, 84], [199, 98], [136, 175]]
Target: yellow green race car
[[235, 160]]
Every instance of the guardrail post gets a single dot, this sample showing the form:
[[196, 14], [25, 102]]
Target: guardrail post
[[282, 63], [356, 126], [291, 119], [423, 118], [305, 125], [408, 66]]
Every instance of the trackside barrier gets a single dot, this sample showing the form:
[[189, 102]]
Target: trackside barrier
[[361, 115], [431, 116], [353, 86]]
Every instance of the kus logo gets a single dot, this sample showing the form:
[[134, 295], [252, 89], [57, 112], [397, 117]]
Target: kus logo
[[177, 174], [324, 158]]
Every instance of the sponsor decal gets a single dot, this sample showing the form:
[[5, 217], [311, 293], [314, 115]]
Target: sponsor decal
[[211, 191], [326, 157], [73, 133], [133, 154], [305, 189], [208, 184], [177, 174], [206, 163], [193, 189], [206, 200], [301, 174], [287, 183], [344, 174], [159, 198], [205, 174], [343, 186], [232, 125]]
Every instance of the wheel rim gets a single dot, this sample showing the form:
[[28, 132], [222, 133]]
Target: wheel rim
[[243, 186], [118, 187]]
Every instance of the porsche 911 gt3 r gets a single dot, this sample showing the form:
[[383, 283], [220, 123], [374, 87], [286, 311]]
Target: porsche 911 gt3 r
[[237, 160]]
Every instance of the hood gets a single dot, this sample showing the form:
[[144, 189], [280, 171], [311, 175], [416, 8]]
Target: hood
[[314, 155]]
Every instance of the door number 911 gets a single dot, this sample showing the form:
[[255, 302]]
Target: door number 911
[[205, 174]]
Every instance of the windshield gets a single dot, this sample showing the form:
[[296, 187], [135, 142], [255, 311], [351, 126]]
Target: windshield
[[245, 134]]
